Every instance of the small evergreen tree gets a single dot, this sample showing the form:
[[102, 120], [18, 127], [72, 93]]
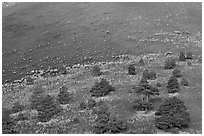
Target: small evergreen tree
[[177, 73], [143, 85], [172, 114], [189, 55], [170, 63], [96, 71], [101, 89], [172, 85], [131, 70], [182, 56], [47, 108]]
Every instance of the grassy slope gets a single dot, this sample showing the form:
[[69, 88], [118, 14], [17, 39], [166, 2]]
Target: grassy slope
[[30, 24]]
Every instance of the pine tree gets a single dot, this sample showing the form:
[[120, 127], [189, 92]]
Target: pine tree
[[173, 85], [172, 114], [101, 88]]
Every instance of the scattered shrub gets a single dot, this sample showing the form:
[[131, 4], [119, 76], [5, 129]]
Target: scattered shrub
[[170, 63], [96, 71], [131, 70], [64, 97], [172, 85], [141, 105], [82, 105], [141, 62], [172, 114], [184, 82], [182, 56], [176, 72], [17, 107], [189, 55], [47, 108], [101, 89]]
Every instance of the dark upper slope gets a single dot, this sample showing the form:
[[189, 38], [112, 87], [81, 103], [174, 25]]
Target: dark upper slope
[[39, 35]]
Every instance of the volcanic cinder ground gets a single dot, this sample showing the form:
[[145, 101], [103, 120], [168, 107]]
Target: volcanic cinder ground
[[43, 35]]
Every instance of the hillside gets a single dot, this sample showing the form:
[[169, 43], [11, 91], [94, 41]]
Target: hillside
[[50, 45]]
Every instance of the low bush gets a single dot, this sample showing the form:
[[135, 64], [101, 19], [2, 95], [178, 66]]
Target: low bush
[[96, 71], [105, 123], [170, 63], [177, 73], [101, 88], [172, 114], [131, 70]]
